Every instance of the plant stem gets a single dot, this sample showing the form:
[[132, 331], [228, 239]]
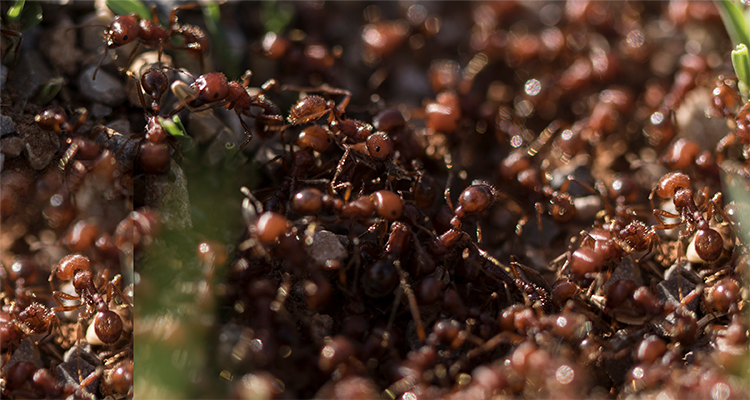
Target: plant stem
[[741, 63], [734, 21]]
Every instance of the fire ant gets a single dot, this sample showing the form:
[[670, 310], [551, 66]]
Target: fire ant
[[212, 90], [128, 28], [43, 384], [55, 119], [33, 319], [709, 244], [107, 324], [311, 108], [153, 152]]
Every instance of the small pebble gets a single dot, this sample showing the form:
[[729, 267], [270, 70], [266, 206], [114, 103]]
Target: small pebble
[[99, 111], [3, 76], [39, 154], [29, 74], [11, 146], [326, 246], [26, 351], [6, 125], [106, 89]]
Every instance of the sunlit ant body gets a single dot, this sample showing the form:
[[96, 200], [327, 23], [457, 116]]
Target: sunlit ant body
[[128, 28], [212, 90]]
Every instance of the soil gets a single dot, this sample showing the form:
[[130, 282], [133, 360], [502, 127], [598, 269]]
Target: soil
[[520, 255]]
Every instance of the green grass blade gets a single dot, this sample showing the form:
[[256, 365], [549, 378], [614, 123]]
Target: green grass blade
[[31, 15], [741, 63], [734, 21], [127, 7], [14, 12]]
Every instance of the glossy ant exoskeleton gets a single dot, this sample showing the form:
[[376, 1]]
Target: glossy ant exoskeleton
[[128, 28], [26, 380], [107, 324], [709, 244], [212, 90]]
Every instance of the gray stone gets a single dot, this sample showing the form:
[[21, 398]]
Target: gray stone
[[11, 146], [168, 194], [325, 247], [6, 125], [106, 89], [40, 152], [124, 147], [68, 372], [30, 74], [3, 76], [203, 128], [99, 111]]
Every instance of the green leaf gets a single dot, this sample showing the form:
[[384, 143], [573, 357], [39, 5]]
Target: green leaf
[[737, 189], [171, 126], [31, 15], [741, 63], [127, 7], [734, 22], [50, 89], [15, 10]]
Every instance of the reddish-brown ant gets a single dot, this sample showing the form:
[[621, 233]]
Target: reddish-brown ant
[[56, 120], [41, 383], [128, 28], [709, 244], [75, 267], [153, 151], [212, 90], [311, 108]]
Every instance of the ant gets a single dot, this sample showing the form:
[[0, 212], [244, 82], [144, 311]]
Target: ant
[[33, 319], [44, 384], [107, 324], [55, 119], [709, 244], [128, 28], [153, 152], [212, 90]]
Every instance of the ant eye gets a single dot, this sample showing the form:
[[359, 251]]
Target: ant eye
[[125, 37], [379, 146]]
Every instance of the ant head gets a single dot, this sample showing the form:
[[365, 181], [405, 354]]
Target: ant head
[[210, 87], [51, 119], [154, 81], [123, 30]]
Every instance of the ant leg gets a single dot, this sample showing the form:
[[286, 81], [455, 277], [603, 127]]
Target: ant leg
[[139, 89], [7, 33], [725, 142], [447, 193], [132, 56], [339, 167], [414, 308], [114, 287], [247, 132], [59, 296], [173, 14], [106, 53], [539, 211], [658, 214]]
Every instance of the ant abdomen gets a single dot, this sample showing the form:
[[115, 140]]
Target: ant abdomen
[[108, 326]]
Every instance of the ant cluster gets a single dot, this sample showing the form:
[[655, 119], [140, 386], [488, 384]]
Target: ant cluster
[[590, 251]]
